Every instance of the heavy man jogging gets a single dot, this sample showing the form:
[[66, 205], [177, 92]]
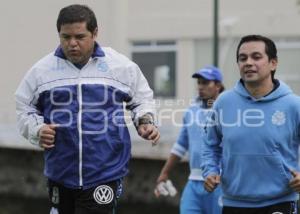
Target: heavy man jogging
[[71, 104]]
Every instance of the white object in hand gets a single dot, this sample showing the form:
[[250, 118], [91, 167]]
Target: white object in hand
[[162, 189], [171, 189], [166, 188]]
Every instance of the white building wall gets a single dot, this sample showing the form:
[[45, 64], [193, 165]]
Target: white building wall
[[28, 32]]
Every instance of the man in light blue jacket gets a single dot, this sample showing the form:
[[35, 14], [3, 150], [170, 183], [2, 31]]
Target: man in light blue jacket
[[253, 137]]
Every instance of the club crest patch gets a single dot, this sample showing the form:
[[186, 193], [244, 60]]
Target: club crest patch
[[102, 66], [278, 118], [103, 194]]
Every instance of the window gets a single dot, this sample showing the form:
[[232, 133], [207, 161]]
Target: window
[[157, 61]]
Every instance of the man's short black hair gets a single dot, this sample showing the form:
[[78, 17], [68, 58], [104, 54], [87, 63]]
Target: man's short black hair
[[77, 13], [270, 47]]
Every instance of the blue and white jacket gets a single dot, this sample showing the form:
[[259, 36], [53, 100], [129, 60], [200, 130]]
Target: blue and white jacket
[[191, 137], [92, 142], [256, 142]]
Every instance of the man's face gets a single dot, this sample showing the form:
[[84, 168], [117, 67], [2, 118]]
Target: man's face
[[207, 89], [254, 63], [77, 42]]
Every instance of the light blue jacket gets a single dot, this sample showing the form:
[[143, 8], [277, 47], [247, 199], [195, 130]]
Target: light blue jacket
[[191, 137], [254, 142]]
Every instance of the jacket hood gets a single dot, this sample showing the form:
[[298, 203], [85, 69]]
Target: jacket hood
[[282, 90]]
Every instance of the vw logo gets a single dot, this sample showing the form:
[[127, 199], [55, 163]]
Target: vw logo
[[103, 194]]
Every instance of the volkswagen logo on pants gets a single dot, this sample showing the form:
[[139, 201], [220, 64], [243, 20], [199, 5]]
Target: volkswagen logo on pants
[[103, 194]]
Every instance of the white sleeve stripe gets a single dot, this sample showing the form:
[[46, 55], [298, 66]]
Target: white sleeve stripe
[[177, 153], [178, 150]]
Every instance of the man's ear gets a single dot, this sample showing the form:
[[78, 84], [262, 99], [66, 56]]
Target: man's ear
[[274, 63], [218, 85], [95, 33]]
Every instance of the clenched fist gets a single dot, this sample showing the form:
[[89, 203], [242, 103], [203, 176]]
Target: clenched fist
[[47, 136]]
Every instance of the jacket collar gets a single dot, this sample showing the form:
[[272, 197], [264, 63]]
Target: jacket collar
[[98, 52]]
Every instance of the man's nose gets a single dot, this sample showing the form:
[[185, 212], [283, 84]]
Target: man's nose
[[200, 86], [249, 61], [73, 42]]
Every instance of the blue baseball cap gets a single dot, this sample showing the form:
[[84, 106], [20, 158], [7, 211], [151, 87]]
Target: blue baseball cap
[[209, 73]]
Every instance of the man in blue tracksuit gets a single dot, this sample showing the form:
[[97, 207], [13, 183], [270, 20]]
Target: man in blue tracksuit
[[253, 137], [70, 103], [195, 200]]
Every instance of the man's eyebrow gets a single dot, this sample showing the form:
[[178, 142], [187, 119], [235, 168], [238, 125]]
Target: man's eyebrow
[[244, 54], [256, 53], [78, 34]]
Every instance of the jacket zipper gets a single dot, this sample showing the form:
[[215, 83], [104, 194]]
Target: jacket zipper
[[80, 132]]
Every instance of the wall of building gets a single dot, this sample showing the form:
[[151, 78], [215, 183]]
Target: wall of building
[[29, 32]]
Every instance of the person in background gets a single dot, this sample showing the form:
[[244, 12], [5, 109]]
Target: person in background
[[194, 200]]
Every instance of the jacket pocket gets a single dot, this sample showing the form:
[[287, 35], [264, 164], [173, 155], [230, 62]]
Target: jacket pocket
[[255, 177]]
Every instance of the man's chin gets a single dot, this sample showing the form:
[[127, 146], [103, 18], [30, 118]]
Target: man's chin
[[75, 60], [204, 99], [249, 81]]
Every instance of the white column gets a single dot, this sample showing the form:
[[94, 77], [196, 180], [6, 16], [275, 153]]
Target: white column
[[185, 85], [119, 26]]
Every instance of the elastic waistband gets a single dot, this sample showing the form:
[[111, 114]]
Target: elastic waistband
[[196, 174]]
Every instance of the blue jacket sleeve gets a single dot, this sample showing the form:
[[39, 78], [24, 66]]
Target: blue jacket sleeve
[[182, 144], [212, 149]]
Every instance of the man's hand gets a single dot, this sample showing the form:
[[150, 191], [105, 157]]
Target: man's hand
[[47, 136], [149, 132], [165, 188], [163, 177], [211, 182], [295, 182]]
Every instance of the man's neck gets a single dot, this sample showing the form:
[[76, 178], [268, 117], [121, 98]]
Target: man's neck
[[259, 90], [208, 103]]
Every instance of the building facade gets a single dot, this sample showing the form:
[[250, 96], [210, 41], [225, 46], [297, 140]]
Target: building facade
[[169, 39]]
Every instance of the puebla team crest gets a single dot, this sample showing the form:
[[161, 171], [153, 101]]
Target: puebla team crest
[[278, 118]]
